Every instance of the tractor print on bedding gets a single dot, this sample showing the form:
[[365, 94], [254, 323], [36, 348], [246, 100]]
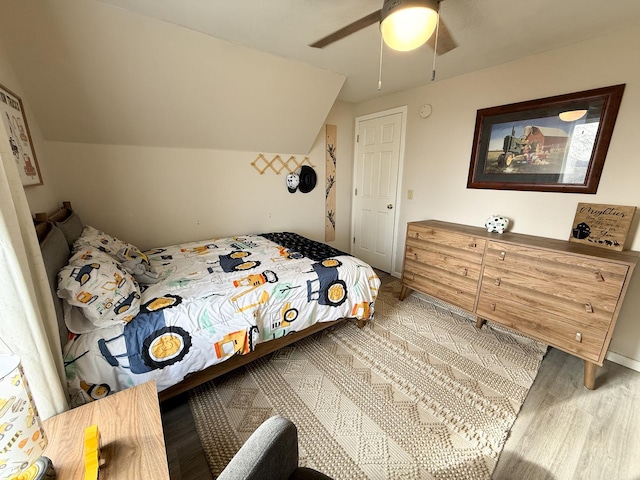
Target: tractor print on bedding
[[150, 343], [329, 289], [160, 303], [253, 281], [242, 243], [82, 274], [239, 342], [280, 324], [237, 261], [200, 249], [95, 390]]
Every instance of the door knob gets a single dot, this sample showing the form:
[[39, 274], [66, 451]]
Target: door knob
[[390, 206]]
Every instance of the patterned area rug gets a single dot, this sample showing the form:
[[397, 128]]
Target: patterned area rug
[[418, 393]]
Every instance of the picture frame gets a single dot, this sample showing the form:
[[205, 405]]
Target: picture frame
[[19, 137], [602, 225], [553, 144]]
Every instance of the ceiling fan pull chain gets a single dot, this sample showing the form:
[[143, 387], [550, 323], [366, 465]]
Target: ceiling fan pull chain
[[435, 46], [380, 70]]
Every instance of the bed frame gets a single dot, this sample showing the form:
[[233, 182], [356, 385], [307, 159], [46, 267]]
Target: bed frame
[[43, 224]]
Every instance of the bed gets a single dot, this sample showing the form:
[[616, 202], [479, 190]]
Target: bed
[[184, 314]]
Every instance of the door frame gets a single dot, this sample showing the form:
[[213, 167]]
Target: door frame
[[403, 131]]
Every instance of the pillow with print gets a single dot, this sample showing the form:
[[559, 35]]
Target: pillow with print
[[93, 238], [100, 287], [129, 256]]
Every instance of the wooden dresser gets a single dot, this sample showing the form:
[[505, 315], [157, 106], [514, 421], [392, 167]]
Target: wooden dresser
[[564, 294]]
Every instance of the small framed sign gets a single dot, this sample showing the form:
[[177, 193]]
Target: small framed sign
[[604, 226], [16, 127]]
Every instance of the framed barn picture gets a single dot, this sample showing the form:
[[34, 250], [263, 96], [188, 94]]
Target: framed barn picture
[[555, 144], [19, 137]]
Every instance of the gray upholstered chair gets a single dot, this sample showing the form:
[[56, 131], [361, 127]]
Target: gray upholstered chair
[[270, 453]]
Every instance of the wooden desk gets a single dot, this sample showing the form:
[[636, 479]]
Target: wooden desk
[[131, 431]]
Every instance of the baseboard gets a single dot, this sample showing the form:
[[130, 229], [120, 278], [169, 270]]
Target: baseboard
[[631, 363]]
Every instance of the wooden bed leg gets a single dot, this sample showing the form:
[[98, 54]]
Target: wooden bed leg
[[362, 323], [590, 375], [480, 322]]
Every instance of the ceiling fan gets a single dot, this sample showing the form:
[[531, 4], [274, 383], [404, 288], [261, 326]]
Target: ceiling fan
[[424, 14]]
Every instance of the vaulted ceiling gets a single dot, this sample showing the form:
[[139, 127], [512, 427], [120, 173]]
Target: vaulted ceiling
[[240, 75], [488, 32]]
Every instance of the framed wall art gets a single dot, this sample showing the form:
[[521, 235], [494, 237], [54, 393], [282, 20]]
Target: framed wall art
[[17, 129], [605, 226], [554, 144]]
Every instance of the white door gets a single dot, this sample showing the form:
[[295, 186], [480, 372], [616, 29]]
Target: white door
[[378, 150]]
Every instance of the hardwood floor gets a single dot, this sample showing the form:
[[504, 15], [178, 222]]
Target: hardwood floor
[[563, 432], [184, 451]]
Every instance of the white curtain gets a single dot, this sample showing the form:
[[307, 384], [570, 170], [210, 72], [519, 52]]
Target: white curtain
[[28, 326]]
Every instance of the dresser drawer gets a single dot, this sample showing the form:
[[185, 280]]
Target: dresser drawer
[[451, 287], [467, 246], [466, 265], [584, 289], [585, 307], [572, 337]]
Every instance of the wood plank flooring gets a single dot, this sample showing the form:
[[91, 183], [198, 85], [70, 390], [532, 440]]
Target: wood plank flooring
[[563, 432]]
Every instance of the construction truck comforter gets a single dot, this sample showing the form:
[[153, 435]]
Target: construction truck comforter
[[165, 313]]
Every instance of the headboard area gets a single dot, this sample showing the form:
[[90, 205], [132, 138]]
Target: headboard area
[[56, 234]]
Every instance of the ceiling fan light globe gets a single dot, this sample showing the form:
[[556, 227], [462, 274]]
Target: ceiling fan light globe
[[408, 28]]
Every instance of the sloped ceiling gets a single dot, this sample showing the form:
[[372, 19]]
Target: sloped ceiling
[[95, 73], [488, 32], [239, 74]]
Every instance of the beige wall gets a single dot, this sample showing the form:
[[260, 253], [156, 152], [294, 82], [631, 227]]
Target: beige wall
[[40, 198], [438, 148], [158, 196]]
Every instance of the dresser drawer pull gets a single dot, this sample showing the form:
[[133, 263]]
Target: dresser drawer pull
[[417, 235], [579, 337], [497, 282], [588, 308], [465, 272], [415, 255], [502, 255], [493, 307], [599, 276], [473, 245]]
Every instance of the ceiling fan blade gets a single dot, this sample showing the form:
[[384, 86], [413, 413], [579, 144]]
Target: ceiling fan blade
[[348, 30], [446, 42]]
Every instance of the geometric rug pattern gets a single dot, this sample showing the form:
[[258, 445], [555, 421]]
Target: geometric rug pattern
[[418, 393]]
